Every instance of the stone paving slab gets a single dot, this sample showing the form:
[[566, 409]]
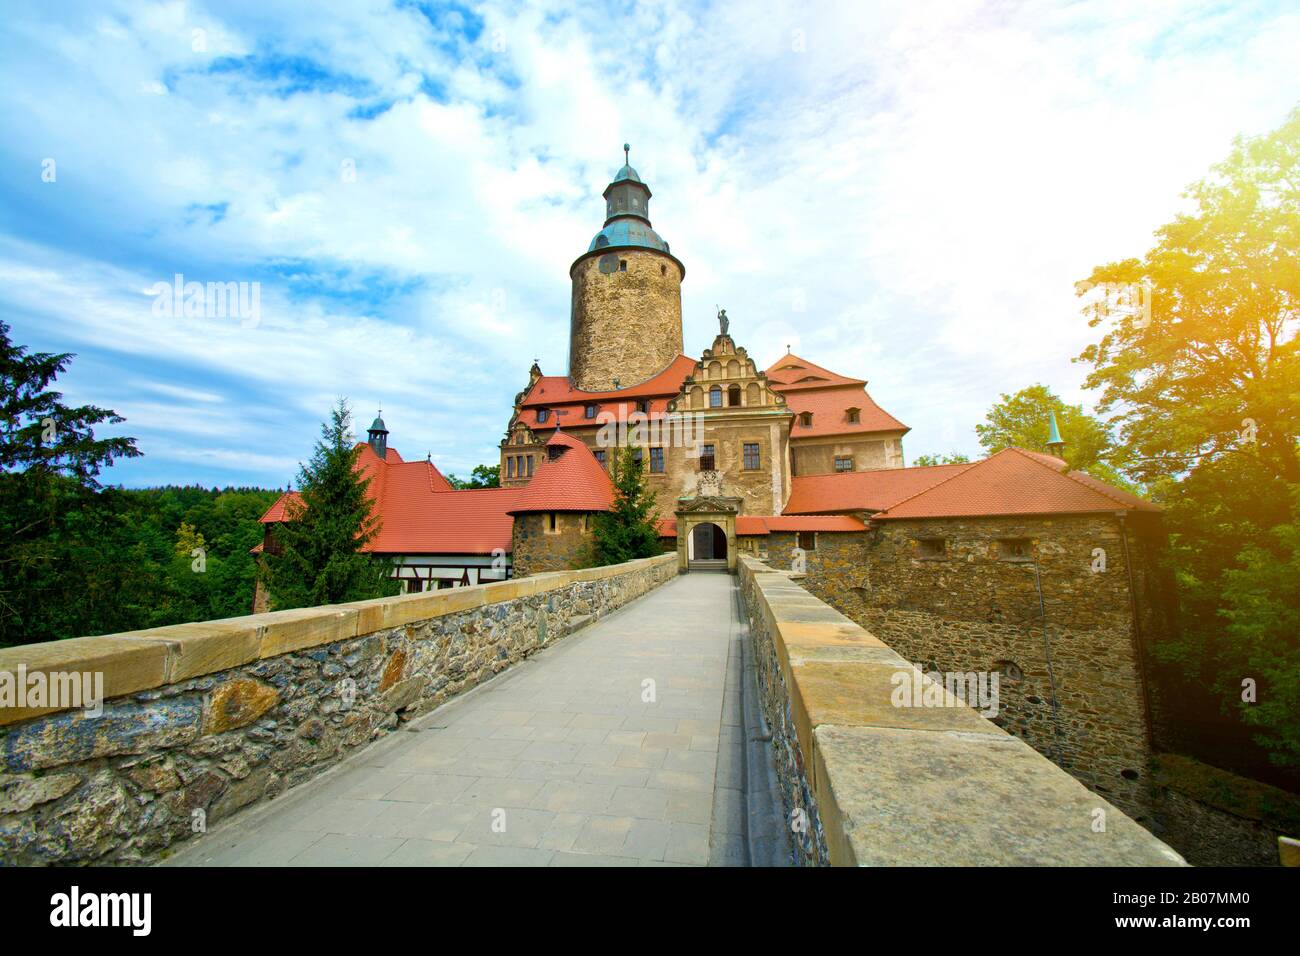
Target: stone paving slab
[[560, 761]]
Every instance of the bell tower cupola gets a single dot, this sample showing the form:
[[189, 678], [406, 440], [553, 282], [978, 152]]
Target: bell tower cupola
[[625, 325]]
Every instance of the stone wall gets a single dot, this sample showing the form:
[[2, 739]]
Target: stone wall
[[204, 719], [816, 456], [624, 324], [870, 783], [972, 610], [535, 549]]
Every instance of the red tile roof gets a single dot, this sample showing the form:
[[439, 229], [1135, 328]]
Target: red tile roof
[[557, 393], [1015, 482], [829, 408], [873, 490], [792, 373], [755, 525], [419, 511], [568, 479]]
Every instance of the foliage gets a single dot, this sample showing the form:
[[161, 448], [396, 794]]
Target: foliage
[[1022, 421], [628, 531], [317, 557], [1202, 383], [483, 476], [955, 458]]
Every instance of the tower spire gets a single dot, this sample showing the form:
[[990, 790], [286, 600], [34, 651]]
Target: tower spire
[[1055, 443], [377, 436]]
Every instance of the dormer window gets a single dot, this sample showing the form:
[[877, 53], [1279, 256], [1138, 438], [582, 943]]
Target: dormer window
[[542, 415], [852, 416], [589, 411], [805, 419], [643, 406]]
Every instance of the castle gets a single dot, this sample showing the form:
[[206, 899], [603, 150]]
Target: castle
[[1014, 564]]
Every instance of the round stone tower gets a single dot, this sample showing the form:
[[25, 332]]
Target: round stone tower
[[626, 321]]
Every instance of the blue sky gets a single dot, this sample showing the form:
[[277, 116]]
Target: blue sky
[[904, 192]]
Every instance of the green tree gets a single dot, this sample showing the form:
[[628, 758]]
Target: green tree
[[1262, 597], [483, 476], [1199, 371], [65, 546], [1022, 421], [953, 458], [628, 531], [1206, 364], [318, 557]]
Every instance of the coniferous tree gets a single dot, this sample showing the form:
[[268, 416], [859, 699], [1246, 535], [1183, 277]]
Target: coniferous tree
[[317, 557], [628, 531]]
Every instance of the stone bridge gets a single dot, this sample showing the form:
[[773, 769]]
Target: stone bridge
[[614, 716]]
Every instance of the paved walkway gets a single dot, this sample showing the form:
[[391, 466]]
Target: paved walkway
[[556, 762]]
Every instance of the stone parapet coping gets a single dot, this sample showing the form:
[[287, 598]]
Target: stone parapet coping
[[135, 661], [922, 785]]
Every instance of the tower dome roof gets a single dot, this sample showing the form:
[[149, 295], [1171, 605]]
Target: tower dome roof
[[627, 173], [627, 231], [377, 425]]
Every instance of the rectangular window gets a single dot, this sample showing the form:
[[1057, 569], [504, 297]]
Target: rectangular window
[[808, 540], [543, 414], [657, 460], [510, 466], [1015, 549], [590, 411], [552, 522], [638, 456], [715, 397], [707, 460], [530, 466], [932, 548], [600, 456], [752, 460], [844, 464]]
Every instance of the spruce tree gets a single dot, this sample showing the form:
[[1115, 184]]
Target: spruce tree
[[317, 558], [628, 531]]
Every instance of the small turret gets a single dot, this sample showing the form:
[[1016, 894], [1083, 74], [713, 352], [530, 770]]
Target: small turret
[[1055, 443], [377, 436]]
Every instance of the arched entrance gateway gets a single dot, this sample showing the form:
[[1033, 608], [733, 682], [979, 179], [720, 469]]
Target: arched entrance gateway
[[706, 533], [708, 543]]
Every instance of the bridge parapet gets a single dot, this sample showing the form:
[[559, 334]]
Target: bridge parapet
[[880, 765], [195, 721]]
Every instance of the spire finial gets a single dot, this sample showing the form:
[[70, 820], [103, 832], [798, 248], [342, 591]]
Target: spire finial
[[787, 348], [627, 150], [1055, 443]]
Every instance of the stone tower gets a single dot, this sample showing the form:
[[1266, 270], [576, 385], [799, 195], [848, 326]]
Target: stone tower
[[626, 320]]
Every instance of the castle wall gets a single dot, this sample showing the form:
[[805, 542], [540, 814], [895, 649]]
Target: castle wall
[[816, 456], [970, 610], [536, 549], [624, 324]]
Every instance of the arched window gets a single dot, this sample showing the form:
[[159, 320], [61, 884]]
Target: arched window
[[805, 419], [715, 397], [733, 396]]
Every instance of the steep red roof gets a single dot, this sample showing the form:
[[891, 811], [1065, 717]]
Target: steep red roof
[[830, 412], [420, 513], [568, 479], [1015, 482], [470, 521], [872, 490], [558, 389], [792, 373]]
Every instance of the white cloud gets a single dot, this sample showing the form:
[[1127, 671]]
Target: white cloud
[[925, 180]]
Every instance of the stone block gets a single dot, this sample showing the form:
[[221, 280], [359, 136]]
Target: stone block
[[125, 727], [204, 647], [894, 797], [127, 666], [237, 703], [286, 631]]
